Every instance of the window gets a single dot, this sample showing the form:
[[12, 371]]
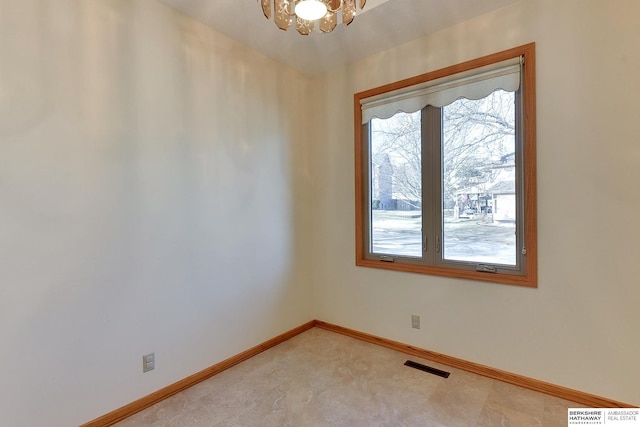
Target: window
[[445, 171]]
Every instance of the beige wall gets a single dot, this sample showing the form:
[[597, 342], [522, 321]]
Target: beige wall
[[160, 192], [579, 329], [152, 199]]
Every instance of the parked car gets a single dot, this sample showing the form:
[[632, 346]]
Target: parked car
[[469, 213]]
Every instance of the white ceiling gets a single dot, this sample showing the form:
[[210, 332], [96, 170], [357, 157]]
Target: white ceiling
[[381, 25]]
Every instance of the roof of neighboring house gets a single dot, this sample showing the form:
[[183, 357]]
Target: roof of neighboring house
[[503, 187]]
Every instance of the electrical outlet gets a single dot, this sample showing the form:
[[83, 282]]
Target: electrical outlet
[[415, 321], [148, 362]]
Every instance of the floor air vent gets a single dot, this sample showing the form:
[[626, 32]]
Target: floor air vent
[[426, 368]]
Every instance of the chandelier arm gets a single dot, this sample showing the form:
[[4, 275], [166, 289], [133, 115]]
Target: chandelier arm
[[336, 9]]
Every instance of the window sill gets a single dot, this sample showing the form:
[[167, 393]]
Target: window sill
[[529, 281]]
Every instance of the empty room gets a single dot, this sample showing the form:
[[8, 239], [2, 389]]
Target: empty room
[[218, 212]]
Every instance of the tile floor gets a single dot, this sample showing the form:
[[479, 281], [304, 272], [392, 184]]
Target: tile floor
[[320, 378]]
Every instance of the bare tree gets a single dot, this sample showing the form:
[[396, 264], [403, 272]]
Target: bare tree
[[477, 137], [399, 138]]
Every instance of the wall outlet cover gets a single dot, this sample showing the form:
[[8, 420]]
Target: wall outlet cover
[[415, 321], [148, 362]]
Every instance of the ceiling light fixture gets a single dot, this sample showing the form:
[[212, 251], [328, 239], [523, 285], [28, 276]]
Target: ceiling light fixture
[[306, 12]]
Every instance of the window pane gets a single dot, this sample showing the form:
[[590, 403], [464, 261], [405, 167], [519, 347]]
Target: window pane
[[479, 188], [395, 186]]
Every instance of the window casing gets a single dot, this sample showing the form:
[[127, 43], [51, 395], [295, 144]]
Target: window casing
[[449, 188]]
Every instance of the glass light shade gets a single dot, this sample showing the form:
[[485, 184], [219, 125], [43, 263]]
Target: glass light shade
[[303, 14], [311, 10]]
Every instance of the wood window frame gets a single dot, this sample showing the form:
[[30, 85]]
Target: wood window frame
[[529, 278]]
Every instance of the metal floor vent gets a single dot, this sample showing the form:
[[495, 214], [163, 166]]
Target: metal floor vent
[[426, 368]]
